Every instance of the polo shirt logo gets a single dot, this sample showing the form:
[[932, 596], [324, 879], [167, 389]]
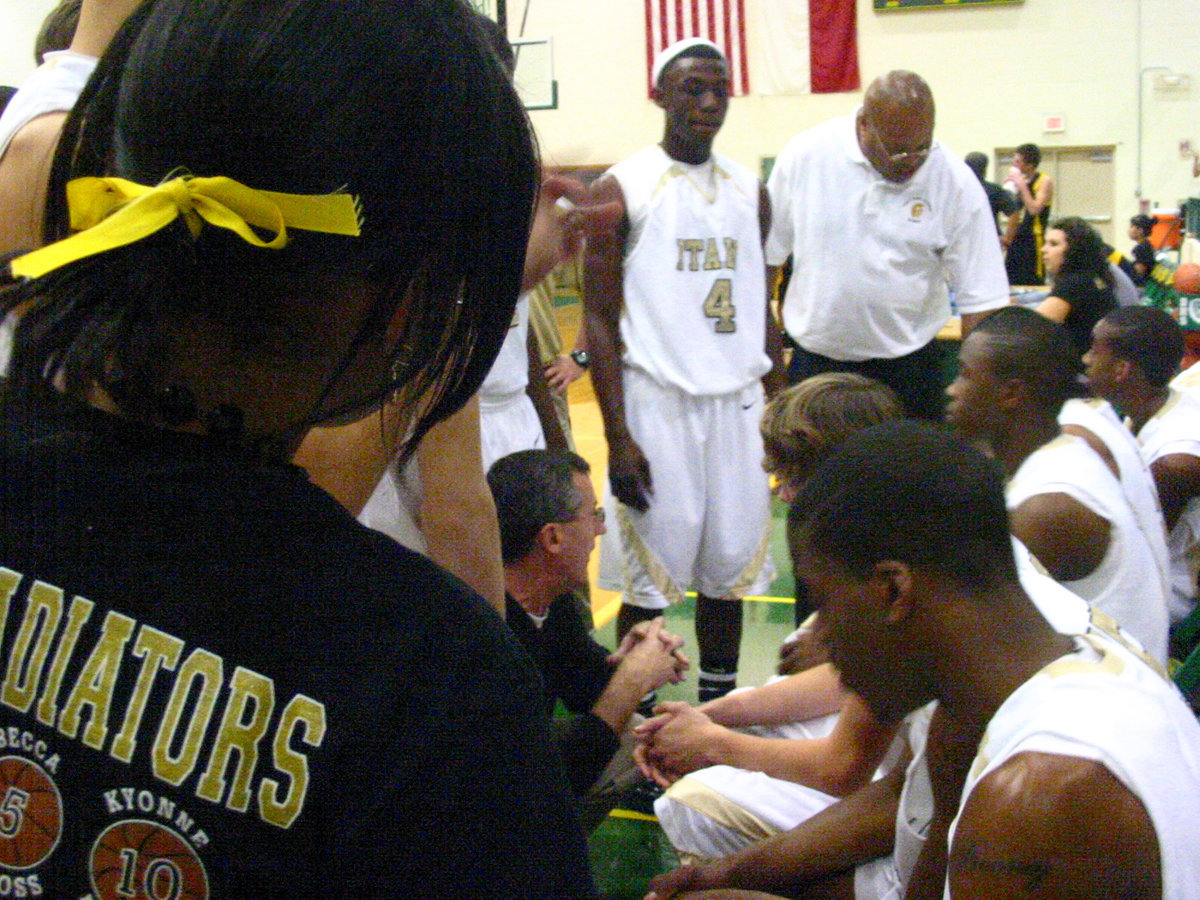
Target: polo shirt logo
[[917, 210]]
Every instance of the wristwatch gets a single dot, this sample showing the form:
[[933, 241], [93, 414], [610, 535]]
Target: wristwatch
[[581, 358]]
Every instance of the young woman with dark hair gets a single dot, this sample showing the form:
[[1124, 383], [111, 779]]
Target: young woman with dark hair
[[1082, 285], [264, 216]]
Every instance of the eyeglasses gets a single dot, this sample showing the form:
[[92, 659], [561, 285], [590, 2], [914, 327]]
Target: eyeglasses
[[898, 159], [597, 513]]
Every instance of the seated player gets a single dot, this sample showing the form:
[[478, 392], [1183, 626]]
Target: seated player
[[793, 754], [1095, 420], [902, 537], [1135, 353], [1016, 369]]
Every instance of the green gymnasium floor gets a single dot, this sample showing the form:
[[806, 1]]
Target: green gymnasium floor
[[629, 848]]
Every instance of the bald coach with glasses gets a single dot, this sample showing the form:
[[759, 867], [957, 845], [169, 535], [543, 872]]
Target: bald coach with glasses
[[884, 226]]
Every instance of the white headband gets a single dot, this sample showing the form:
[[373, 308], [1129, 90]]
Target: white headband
[[667, 55]]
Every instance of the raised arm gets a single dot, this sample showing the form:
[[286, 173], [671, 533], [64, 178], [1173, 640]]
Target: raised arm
[[25, 164], [1035, 202], [563, 217], [538, 390], [603, 299]]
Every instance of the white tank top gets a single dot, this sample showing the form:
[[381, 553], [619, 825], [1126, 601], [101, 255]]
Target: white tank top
[[509, 374], [694, 313], [1100, 703], [1067, 613], [1126, 584], [1098, 417], [1176, 429]]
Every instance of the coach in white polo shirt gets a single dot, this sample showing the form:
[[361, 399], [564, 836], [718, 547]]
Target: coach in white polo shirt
[[882, 225]]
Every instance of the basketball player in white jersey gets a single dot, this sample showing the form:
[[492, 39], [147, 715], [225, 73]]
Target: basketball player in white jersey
[[1134, 355], [1016, 369], [678, 329], [1060, 765]]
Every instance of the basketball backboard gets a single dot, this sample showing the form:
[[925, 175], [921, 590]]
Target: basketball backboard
[[534, 78]]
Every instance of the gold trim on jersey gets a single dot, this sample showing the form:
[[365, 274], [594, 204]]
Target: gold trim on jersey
[[659, 576], [700, 797], [1071, 663], [710, 192], [754, 568]]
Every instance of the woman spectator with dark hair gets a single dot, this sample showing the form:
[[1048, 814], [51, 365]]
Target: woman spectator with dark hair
[[1143, 251], [265, 217], [1082, 287]]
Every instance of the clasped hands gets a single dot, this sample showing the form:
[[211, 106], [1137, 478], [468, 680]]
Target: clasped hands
[[650, 647], [678, 740]]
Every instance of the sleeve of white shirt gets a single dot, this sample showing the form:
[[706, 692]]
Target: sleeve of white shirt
[[973, 259], [779, 187], [54, 86]]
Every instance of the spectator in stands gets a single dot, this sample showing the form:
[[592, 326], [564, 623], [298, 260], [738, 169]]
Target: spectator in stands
[[1025, 233], [1002, 202], [1081, 292], [1143, 251]]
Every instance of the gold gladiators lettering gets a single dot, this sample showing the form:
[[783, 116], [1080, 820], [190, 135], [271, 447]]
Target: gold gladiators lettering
[[33, 680]]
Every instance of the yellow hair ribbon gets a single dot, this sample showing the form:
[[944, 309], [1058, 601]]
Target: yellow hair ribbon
[[107, 213]]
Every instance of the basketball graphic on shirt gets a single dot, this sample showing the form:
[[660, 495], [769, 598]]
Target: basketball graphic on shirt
[[30, 813], [139, 860]]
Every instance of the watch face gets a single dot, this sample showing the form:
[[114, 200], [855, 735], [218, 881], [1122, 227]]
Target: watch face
[[581, 358]]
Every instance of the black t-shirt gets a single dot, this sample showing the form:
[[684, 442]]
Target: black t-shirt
[[1143, 253], [1000, 201], [217, 684], [575, 670], [1091, 299]]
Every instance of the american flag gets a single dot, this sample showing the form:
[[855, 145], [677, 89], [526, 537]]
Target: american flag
[[720, 21], [806, 46]]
